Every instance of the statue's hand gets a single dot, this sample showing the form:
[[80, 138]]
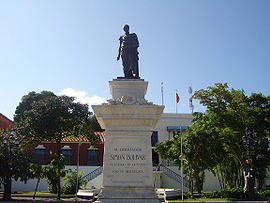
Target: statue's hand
[[118, 57]]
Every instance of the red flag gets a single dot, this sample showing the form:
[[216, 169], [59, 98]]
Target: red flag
[[177, 98]]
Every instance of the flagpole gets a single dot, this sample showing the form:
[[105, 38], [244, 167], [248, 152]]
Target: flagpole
[[191, 106], [176, 110], [182, 177], [162, 101]]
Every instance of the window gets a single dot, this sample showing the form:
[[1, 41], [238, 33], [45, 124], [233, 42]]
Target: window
[[40, 154], [66, 151], [154, 138], [155, 158], [92, 157]]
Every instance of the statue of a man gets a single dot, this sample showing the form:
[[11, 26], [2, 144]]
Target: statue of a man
[[129, 54]]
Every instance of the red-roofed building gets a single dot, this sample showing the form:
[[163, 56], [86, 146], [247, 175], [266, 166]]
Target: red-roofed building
[[5, 123], [43, 152], [88, 155]]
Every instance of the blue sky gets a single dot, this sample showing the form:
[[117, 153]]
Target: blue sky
[[71, 46]]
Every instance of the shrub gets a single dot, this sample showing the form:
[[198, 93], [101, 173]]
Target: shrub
[[263, 195], [187, 195], [50, 172], [229, 193], [207, 194], [70, 182]]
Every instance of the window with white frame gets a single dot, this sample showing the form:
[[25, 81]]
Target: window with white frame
[[92, 156], [67, 152], [40, 154]]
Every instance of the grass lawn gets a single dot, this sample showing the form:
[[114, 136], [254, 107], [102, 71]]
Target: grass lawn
[[32, 193], [211, 200], [40, 196]]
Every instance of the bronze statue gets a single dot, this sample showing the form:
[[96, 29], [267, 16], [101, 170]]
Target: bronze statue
[[129, 54]]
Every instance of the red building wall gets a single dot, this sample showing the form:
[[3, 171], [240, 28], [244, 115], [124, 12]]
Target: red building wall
[[51, 148], [73, 143], [5, 123]]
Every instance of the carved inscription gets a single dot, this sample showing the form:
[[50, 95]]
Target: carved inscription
[[127, 160], [133, 157]]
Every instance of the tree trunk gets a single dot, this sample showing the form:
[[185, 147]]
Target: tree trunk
[[249, 183], [7, 188], [36, 188], [191, 185], [192, 188], [220, 181], [199, 180]]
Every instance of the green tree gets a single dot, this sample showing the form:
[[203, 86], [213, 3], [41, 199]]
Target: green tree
[[47, 117], [51, 171], [201, 149], [235, 116], [199, 152], [70, 182], [214, 141], [26, 104], [15, 161], [94, 124]]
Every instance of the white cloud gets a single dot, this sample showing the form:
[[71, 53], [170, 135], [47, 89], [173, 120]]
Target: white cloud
[[82, 97]]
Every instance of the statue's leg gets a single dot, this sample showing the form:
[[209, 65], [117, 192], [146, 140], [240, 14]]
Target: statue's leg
[[137, 64], [129, 66], [130, 75], [134, 66], [126, 65]]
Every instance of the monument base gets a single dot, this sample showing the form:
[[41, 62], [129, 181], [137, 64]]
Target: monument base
[[127, 201], [128, 192], [128, 119], [128, 195]]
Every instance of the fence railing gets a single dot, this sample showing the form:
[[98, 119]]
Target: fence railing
[[95, 173], [175, 176], [168, 172]]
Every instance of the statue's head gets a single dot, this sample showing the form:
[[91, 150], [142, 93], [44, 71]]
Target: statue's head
[[126, 28]]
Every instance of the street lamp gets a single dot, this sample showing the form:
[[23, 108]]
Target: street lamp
[[181, 162], [78, 163], [249, 172], [10, 145], [182, 167]]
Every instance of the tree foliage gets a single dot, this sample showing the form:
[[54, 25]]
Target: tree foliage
[[70, 182], [233, 114], [55, 117], [27, 102], [15, 161], [214, 141], [94, 124], [51, 171], [47, 117]]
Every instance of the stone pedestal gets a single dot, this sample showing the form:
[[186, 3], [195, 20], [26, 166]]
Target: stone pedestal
[[128, 120]]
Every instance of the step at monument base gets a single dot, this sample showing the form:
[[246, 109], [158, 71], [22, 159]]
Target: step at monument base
[[127, 201]]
